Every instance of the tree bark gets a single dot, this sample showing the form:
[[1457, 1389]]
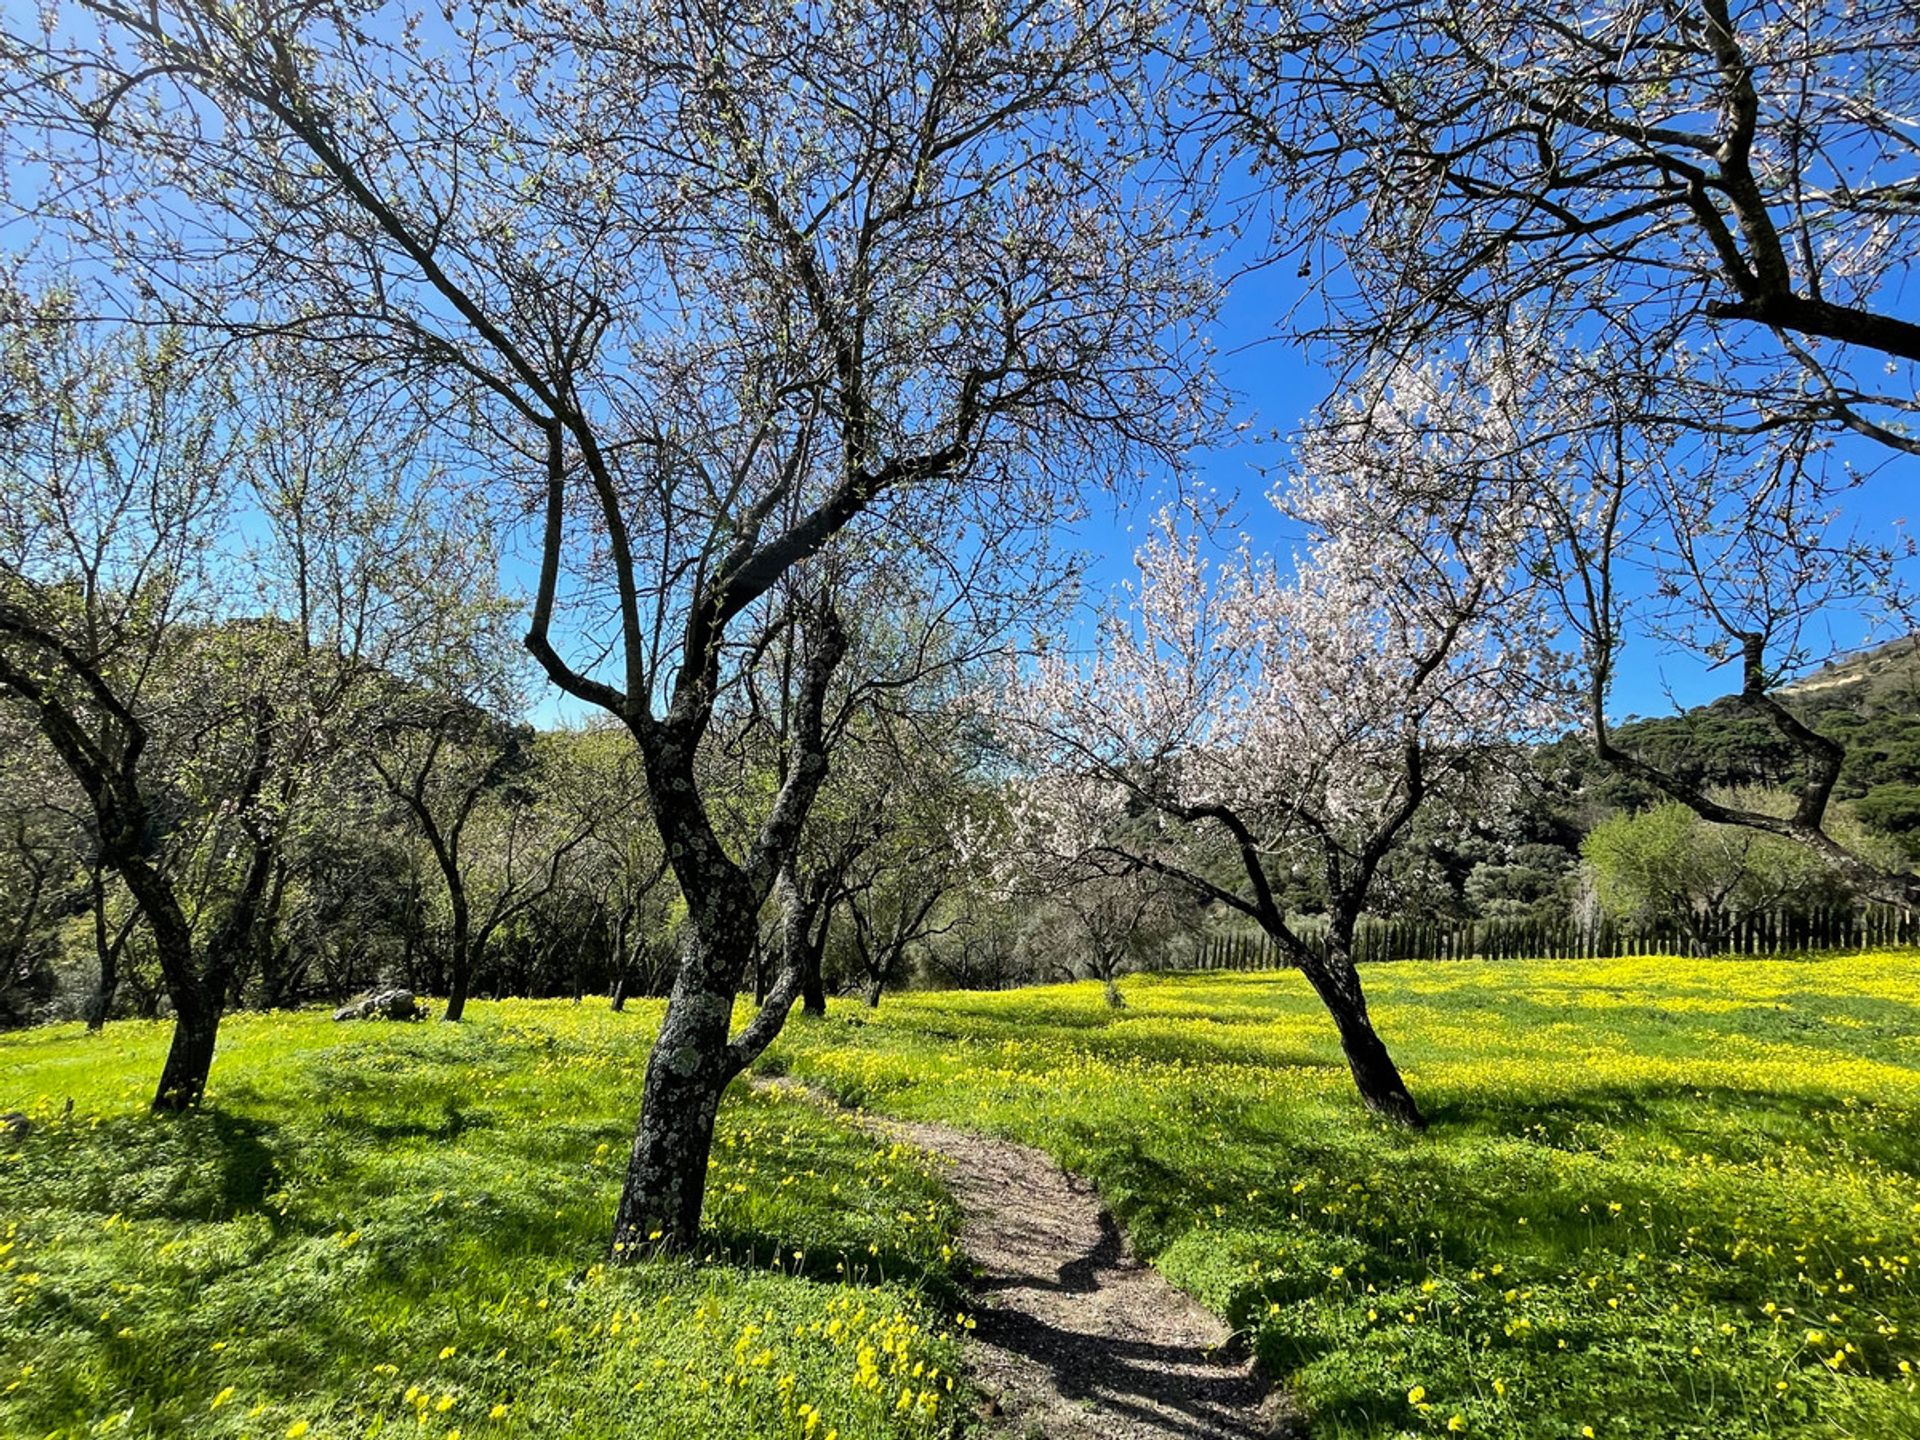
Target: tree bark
[[100, 1003], [1337, 982], [196, 1025], [687, 1073]]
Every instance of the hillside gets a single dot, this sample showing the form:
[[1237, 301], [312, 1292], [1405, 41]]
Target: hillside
[[1890, 674]]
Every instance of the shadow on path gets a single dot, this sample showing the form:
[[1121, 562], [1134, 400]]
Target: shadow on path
[[1076, 1339]]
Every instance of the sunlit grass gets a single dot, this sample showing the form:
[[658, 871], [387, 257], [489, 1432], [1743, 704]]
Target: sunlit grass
[[400, 1230], [1659, 1197]]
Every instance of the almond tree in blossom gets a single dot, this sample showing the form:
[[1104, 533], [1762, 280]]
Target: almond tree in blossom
[[1299, 720], [1647, 544], [726, 300]]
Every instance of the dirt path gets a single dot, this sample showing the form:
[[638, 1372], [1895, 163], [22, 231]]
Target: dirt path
[[1077, 1340]]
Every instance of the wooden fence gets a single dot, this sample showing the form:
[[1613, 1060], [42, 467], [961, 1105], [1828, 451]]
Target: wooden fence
[[1864, 927]]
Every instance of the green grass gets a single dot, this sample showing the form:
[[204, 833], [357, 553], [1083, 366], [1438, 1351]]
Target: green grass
[[399, 1230], [1659, 1198]]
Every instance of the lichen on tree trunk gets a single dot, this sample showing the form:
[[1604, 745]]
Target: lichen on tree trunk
[[666, 1180]]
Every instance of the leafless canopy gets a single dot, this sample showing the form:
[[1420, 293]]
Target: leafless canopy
[[1727, 193]]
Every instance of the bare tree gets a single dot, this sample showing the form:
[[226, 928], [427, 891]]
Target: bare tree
[[714, 288], [1103, 911], [450, 764]]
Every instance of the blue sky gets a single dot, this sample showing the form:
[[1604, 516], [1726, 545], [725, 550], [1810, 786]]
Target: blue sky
[[1277, 385]]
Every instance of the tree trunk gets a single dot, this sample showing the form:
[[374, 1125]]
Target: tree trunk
[[813, 986], [687, 1072], [462, 961], [1337, 983], [622, 961], [809, 936], [196, 1025], [875, 987], [100, 1003]]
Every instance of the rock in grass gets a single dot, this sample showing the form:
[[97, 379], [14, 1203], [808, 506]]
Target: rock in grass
[[386, 1005], [15, 1126]]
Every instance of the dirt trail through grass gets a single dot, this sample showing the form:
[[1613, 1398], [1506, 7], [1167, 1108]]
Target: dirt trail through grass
[[1077, 1340]]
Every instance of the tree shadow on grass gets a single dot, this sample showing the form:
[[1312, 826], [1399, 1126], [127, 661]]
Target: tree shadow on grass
[[753, 1248], [1691, 1116], [446, 1127], [210, 1165]]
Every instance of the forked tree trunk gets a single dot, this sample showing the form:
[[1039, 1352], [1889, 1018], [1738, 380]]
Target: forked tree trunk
[[1337, 982], [696, 1056]]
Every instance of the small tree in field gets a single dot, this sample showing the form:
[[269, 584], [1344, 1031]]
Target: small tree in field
[[1289, 721], [186, 682], [117, 477], [1111, 916]]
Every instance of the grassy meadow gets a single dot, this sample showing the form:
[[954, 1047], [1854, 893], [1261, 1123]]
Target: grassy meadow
[[1659, 1197]]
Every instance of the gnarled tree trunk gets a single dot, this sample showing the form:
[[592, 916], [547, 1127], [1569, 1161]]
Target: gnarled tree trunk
[[689, 1069]]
